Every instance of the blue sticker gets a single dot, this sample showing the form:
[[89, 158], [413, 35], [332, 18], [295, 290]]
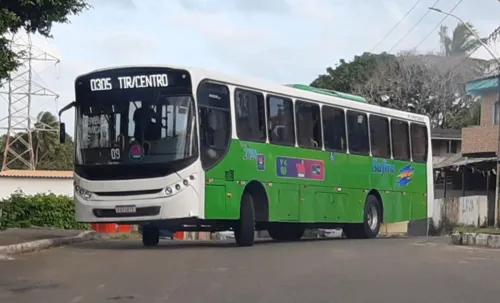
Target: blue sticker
[[136, 152], [261, 162], [250, 154]]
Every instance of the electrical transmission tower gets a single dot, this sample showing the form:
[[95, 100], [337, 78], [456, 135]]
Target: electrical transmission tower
[[20, 89]]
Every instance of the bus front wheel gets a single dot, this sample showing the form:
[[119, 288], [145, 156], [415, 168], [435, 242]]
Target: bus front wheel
[[244, 231], [371, 221], [150, 235]]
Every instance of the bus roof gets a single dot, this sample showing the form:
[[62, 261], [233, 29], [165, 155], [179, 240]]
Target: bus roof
[[302, 92], [329, 92]]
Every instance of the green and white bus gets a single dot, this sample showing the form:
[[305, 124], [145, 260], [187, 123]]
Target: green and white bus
[[186, 149]]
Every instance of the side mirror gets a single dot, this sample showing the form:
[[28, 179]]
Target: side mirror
[[62, 133]]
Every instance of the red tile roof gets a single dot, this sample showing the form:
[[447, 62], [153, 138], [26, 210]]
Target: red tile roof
[[55, 174]]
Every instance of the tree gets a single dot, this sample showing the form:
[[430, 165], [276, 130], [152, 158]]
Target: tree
[[45, 138], [34, 17], [462, 42], [346, 74], [49, 154], [425, 84]]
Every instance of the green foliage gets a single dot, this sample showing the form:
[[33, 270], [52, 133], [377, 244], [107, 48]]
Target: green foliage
[[345, 75], [461, 42], [34, 17], [423, 84], [40, 210], [49, 154]]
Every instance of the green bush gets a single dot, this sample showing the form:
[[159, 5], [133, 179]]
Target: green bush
[[40, 210]]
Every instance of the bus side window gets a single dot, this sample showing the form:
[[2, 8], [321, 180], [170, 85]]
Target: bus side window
[[308, 125], [419, 142], [281, 125], [357, 129], [380, 141], [215, 122], [334, 129], [400, 140], [250, 116]]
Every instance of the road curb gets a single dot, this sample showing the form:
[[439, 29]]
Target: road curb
[[475, 239], [38, 245]]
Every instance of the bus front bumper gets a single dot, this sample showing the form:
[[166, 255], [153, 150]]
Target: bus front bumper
[[184, 204]]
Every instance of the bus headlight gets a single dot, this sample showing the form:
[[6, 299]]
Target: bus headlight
[[85, 194], [168, 191], [173, 189]]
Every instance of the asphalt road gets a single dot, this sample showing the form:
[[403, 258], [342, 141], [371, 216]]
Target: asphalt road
[[380, 270]]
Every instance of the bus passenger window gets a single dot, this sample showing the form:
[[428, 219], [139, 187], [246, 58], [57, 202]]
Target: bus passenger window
[[250, 116], [357, 129], [308, 125], [419, 142], [334, 128], [379, 134], [281, 125], [400, 140]]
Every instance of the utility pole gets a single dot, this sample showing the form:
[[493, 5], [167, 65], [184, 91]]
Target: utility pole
[[20, 88], [487, 48]]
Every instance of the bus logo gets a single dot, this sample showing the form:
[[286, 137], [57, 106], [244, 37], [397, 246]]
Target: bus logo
[[383, 168], [405, 175], [136, 152]]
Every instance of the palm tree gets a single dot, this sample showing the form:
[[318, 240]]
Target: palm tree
[[461, 42], [45, 138]]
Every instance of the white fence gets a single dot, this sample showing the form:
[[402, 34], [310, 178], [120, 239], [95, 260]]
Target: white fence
[[467, 211]]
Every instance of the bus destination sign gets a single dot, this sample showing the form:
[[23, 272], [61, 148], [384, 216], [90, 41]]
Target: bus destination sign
[[129, 82]]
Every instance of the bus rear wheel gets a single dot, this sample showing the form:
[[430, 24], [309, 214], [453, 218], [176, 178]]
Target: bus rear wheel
[[371, 221], [286, 231], [244, 231], [150, 235]]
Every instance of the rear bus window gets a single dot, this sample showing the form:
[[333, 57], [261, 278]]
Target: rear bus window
[[281, 125], [357, 129], [334, 128], [250, 117], [419, 142], [400, 140], [308, 125]]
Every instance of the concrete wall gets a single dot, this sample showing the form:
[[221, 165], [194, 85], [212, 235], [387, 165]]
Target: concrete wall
[[467, 211], [31, 186]]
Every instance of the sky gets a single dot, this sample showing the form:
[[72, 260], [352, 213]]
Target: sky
[[285, 41]]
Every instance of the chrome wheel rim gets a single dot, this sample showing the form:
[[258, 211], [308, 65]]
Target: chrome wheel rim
[[372, 217]]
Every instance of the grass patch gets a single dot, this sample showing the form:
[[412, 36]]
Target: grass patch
[[483, 230]]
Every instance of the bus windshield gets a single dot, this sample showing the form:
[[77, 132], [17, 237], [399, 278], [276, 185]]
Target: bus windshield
[[132, 128]]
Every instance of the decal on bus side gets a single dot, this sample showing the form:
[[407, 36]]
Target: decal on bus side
[[300, 168], [405, 175], [383, 168]]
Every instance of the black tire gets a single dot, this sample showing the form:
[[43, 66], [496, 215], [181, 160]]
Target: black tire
[[286, 231], [244, 231], [150, 235], [371, 221]]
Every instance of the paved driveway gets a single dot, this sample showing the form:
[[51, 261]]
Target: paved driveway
[[380, 270]]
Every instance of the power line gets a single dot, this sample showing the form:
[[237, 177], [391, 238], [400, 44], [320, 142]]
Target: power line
[[438, 25], [395, 26], [414, 26]]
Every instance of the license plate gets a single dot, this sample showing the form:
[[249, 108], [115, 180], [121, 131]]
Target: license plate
[[125, 209]]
